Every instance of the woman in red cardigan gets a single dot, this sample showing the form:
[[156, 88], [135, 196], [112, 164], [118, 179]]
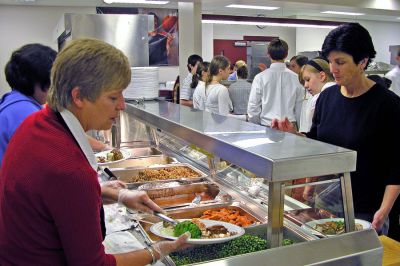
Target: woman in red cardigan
[[50, 197]]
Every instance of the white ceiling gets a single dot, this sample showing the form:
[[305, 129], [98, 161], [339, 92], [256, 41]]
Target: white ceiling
[[379, 10]]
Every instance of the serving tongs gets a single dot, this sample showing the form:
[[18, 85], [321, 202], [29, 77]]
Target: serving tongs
[[165, 218], [110, 174]]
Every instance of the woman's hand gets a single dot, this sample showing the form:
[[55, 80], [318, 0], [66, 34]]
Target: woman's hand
[[116, 184], [308, 193], [163, 248], [137, 200], [379, 219]]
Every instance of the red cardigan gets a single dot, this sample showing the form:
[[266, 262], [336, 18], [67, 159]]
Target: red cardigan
[[50, 198]]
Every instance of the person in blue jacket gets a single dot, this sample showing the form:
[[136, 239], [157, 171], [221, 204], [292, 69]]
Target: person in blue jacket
[[28, 74]]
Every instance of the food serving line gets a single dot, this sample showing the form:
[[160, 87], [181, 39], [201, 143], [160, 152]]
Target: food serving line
[[176, 136]]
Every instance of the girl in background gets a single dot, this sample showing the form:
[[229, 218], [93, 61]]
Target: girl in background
[[316, 77], [198, 83], [218, 100]]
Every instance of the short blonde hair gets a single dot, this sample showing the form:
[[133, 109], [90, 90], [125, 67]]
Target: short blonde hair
[[240, 63], [92, 65]]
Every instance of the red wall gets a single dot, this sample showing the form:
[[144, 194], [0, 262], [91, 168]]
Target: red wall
[[227, 48]]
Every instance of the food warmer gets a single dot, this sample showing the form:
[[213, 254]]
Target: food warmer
[[201, 139]]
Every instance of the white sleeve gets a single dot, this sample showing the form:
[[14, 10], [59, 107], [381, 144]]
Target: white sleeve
[[224, 101], [254, 106], [196, 97], [299, 101]]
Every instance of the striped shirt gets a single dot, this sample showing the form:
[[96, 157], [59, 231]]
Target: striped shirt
[[239, 93], [186, 92]]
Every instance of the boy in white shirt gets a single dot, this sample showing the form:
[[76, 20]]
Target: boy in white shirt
[[276, 92]]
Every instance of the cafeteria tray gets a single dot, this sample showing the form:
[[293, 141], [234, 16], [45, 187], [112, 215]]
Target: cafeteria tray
[[125, 174], [180, 195], [196, 212]]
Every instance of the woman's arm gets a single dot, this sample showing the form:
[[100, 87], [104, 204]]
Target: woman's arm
[[156, 252], [390, 196]]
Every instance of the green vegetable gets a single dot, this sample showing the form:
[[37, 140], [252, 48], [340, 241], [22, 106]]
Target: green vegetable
[[240, 245], [287, 242], [187, 226]]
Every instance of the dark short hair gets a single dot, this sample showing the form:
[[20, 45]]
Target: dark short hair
[[352, 39], [301, 60], [193, 59], [28, 66], [278, 49], [242, 72]]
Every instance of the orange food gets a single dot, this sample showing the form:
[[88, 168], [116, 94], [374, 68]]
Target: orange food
[[228, 215]]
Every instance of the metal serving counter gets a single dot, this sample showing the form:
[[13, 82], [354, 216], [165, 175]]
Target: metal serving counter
[[277, 157]]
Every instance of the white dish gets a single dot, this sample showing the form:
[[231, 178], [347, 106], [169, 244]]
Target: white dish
[[310, 226], [159, 230], [126, 154]]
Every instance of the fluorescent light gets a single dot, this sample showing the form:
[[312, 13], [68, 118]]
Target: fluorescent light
[[253, 7], [273, 24], [136, 2], [343, 13]]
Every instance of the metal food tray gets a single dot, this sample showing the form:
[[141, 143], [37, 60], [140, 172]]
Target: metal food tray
[[196, 212], [182, 195], [140, 152], [124, 174], [145, 162]]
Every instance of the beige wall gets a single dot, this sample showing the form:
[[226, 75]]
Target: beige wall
[[20, 25]]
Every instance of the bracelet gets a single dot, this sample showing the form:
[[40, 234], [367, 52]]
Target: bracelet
[[153, 257]]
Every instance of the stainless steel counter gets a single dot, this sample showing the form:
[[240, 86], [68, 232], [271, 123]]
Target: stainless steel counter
[[268, 153], [277, 157]]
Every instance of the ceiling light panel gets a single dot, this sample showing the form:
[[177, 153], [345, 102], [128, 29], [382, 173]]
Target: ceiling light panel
[[253, 7], [343, 13], [136, 2], [272, 24]]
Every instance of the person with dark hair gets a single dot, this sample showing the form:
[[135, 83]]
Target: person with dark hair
[[28, 74], [394, 75], [51, 198], [199, 85], [361, 115], [297, 62], [384, 82], [186, 93], [276, 92], [239, 91], [218, 101]]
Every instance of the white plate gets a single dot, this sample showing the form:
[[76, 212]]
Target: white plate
[[311, 225], [157, 229], [126, 154]]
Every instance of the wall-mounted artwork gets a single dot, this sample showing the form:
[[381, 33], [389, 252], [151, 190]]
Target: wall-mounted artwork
[[163, 34]]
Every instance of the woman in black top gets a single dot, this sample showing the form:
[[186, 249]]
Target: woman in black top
[[361, 115]]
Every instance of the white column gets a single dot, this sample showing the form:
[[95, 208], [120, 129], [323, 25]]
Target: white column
[[208, 42], [189, 34]]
